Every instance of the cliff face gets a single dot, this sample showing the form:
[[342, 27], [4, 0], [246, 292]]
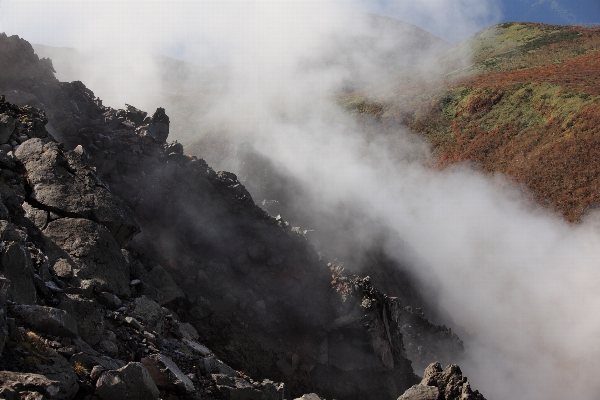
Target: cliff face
[[125, 261]]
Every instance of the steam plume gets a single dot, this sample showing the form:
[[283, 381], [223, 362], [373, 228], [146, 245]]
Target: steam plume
[[523, 283]]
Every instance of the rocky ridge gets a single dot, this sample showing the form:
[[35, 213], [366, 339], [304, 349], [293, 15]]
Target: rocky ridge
[[123, 259]]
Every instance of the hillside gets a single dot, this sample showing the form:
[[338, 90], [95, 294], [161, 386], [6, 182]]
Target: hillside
[[520, 99]]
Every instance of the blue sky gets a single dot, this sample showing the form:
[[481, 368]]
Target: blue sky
[[552, 12], [454, 20]]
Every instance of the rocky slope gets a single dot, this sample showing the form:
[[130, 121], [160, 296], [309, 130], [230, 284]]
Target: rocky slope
[[125, 262]]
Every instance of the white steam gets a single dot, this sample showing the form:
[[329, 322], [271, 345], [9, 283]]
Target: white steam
[[524, 284]]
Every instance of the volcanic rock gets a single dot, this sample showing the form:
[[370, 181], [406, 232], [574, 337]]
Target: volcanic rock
[[92, 252], [158, 128], [132, 382], [46, 319], [438, 384], [16, 385], [149, 312], [166, 374], [61, 183]]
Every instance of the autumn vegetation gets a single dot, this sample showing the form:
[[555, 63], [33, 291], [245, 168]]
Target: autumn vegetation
[[517, 98]]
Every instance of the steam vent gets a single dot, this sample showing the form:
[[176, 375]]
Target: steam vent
[[131, 270]]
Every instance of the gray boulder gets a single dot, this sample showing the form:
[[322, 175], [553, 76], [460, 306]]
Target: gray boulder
[[17, 385], [63, 269], [61, 182], [46, 319], [149, 312], [91, 250], [166, 374], [421, 392], [132, 382]]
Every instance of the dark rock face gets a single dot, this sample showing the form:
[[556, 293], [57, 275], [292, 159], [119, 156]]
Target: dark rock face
[[112, 314]]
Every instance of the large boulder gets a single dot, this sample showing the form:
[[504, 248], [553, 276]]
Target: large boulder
[[166, 374], [92, 251], [62, 183], [149, 312], [421, 392], [131, 382], [18, 385], [46, 319]]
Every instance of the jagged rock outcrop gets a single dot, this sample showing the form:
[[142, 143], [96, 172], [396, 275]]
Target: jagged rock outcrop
[[438, 384], [60, 183], [74, 316]]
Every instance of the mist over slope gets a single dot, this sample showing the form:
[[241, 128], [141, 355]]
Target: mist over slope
[[517, 278], [247, 284], [375, 52], [523, 102]]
